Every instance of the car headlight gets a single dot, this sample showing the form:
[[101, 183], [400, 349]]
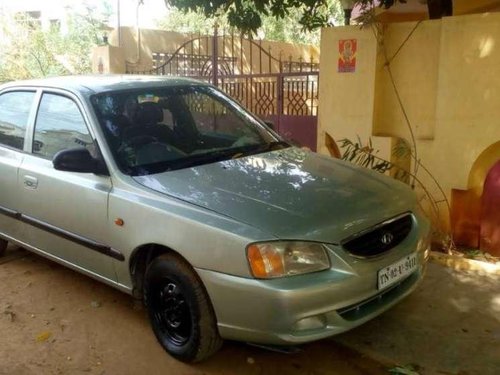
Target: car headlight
[[280, 259]]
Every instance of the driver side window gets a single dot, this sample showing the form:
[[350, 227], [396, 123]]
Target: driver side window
[[59, 126]]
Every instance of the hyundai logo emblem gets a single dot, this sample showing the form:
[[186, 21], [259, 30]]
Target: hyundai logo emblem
[[387, 238]]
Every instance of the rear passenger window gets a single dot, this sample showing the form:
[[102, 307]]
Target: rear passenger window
[[14, 112], [59, 126]]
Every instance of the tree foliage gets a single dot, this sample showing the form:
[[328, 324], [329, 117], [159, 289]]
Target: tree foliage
[[248, 16], [279, 29], [30, 51], [190, 22]]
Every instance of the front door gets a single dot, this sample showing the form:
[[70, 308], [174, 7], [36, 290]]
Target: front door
[[66, 212], [15, 108]]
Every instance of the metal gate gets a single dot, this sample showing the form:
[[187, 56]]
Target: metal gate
[[279, 90]]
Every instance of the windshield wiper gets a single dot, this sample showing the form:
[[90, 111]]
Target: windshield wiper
[[277, 145], [266, 147], [206, 158], [188, 161]]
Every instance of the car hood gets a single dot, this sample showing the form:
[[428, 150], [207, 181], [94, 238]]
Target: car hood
[[290, 193]]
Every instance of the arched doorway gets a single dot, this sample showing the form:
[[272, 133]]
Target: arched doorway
[[490, 212], [468, 218]]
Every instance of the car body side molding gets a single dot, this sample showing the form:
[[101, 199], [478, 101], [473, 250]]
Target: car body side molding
[[91, 244]]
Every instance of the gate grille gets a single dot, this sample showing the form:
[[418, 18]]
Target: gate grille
[[279, 90]]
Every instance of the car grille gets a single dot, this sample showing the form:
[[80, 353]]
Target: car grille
[[380, 238]]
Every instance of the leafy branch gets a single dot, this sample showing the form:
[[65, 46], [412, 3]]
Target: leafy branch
[[27, 50], [366, 156]]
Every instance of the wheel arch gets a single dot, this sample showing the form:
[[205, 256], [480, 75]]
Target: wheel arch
[[139, 260]]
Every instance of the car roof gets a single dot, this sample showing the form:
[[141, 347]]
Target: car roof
[[91, 84]]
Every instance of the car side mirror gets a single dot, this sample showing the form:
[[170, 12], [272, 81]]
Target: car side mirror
[[78, 160]]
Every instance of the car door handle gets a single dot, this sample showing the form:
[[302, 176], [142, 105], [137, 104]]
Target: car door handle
[[30, 182]]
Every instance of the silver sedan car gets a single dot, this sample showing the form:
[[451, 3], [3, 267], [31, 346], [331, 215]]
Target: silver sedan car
[[170, 191]]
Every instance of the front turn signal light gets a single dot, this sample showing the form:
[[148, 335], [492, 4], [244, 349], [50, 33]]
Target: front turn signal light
[[265, 261], [288, 258]]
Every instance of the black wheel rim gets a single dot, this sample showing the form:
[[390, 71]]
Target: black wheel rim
[[171, 312]]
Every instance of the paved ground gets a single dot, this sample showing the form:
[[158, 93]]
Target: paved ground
[[55, 321], [450, 325], [95, 330]]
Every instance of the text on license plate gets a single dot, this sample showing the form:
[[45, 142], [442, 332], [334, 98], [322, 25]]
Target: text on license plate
[[397, 271]]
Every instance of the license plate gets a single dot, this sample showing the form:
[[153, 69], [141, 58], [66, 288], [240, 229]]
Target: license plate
[[397, 271]]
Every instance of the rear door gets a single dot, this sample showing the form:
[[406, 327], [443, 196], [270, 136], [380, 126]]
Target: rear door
[[67, 211], [16, 109]]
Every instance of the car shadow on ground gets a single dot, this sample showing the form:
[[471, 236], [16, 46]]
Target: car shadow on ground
[[55, 320]]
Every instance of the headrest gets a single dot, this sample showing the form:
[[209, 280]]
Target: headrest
[[148, 113]]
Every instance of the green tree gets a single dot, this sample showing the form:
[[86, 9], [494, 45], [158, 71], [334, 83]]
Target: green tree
[[25, 51], [279, 29], [28, 51], [190, 22], [285, 29], [85, 30], [248, 15]]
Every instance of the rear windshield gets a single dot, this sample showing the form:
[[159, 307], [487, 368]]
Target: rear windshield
[[162, 129]]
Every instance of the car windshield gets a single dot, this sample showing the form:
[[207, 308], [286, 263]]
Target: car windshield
[[163, 129]]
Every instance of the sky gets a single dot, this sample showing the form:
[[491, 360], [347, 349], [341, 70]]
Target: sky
[[149, 11]]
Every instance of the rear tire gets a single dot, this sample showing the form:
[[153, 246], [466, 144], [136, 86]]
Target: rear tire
[[179, 309], [3, 247]]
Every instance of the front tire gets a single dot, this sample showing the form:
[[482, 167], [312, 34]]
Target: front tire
[[179, 309], [3, 247]]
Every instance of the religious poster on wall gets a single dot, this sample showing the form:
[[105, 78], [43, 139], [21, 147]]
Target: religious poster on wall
[[347, 55]]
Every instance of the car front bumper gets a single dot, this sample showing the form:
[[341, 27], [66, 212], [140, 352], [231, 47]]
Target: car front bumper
[[305, 308]]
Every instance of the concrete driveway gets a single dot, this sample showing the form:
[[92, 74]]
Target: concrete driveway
[[450, 325], [56, 321]]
